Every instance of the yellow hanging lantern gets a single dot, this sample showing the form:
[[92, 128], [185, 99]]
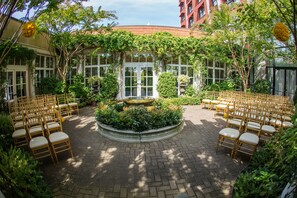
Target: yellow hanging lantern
[[29, 29], [281, 32]]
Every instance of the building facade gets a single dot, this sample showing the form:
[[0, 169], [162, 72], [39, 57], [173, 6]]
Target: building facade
[[196, 11]]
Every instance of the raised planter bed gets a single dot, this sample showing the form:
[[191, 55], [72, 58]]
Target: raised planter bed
[[138, 137]]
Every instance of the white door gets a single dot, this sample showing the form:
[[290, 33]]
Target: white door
[[139, 81], [17, 83]]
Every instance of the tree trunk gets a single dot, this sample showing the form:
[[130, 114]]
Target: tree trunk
[[245, 84]]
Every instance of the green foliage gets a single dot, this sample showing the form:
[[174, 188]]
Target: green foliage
[[295, 97], [271, 168], [108, 87], [50, 85], [6, 130], [167, 85], [261, 86], [183, 100], [78, 87], [139, 118], [190, 91], [20, 175], [228, 84]]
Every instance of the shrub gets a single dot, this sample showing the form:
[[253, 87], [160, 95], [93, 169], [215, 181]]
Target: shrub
[[6, 130], [227, 84], [78, 87], [190, 91], [183, 100], [108, 87], [261, 86], [51, 85], [20, 175], [167, 85]]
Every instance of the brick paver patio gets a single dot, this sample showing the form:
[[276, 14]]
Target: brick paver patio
[[186, 165]]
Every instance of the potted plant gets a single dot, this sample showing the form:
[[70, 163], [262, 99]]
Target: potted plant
[[94, 82], [183, 82]]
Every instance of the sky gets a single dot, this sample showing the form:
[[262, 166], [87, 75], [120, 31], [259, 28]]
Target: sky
[[141, 12]]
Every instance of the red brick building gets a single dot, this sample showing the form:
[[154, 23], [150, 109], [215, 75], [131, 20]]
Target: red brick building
[[196, 11]]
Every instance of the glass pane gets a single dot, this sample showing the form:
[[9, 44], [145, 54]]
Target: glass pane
[[102, 59], [149, 71], [210, 75], [143, 91], [128, 58], [127, 91], [94, 71], [88, 72], [142, 58], [149, 58], [175, 70], [149, 91], [109, 59], [37, 61], [135, 57], [217, 73], [143, 71], [134, 70], [134, 81], [128, 71], [149, 81], [143, 81], [102, 71], [95, 60], [127, 81], [88, 60], [134, 91], [42, 59], [183, 70], [221, 73]]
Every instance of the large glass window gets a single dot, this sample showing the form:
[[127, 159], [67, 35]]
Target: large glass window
[[44, 67], [215, 72]]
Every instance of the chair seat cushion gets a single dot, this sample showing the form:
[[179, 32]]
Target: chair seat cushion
[[268, 129], [287, 124], [215, 102], [276, 122], [58, 136], [63, 105], [253, 125], [52, 125], [19, 133], [249, 138], [236, 122], [35, 129], [206, 101], [38, 142], [229, 132], [73, 104], [221, 106]]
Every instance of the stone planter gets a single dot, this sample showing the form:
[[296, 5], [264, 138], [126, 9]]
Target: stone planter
[[138, 137]]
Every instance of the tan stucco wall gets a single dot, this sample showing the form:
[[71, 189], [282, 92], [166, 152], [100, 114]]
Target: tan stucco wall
[[38, 42]]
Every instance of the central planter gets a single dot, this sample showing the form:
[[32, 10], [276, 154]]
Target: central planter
[[139, 101], [138, 137]]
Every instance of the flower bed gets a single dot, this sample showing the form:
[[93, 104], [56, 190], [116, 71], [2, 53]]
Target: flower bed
[[138, 123]]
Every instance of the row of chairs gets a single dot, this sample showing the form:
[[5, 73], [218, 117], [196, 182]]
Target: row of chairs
[[248, 123], [38, 124], [65, 103]]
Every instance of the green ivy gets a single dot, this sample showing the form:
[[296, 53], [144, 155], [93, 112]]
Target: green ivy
[[78, 87], [167, 85], [108, 87]]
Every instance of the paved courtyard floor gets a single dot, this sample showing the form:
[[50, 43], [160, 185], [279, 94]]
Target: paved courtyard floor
[[185, 165]]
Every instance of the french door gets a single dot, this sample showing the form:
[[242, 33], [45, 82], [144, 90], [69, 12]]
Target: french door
[[17, 83], [138, 81]]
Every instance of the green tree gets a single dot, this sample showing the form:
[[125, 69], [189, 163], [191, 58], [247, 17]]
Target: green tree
[[240, 36], [70, 27]]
